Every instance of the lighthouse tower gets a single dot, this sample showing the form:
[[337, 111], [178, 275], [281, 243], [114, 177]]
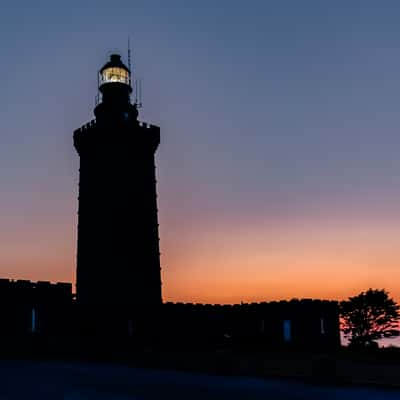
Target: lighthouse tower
[[118, 258]]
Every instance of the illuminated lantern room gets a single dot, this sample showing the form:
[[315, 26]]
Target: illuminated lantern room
[[114, 72], [114, 85]]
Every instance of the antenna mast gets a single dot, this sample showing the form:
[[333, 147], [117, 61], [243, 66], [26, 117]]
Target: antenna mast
[[140, 105], [97, 98], [129, 61], [138, 82], [138, 93]]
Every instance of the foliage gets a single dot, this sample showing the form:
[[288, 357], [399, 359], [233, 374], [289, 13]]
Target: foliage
[[368, 317]]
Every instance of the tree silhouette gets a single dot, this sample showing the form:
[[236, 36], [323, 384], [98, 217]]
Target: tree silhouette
[[368, 317]]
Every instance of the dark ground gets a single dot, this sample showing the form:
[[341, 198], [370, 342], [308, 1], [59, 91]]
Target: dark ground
[[73, 381]]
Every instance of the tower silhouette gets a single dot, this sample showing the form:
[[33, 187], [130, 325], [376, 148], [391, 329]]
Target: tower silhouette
[[118, 259]]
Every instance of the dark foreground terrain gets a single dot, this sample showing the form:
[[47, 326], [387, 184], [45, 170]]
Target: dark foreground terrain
[[84, 381]]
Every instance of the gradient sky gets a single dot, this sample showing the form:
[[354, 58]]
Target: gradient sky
[[278, 170]]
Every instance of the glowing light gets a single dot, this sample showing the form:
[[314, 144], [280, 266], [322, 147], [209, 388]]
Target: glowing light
[[113, 75]]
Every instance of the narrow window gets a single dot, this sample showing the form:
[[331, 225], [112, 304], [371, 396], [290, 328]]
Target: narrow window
[[287, 330], [33, 325], [322, 326]]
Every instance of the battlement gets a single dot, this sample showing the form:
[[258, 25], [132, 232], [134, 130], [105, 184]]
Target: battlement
[[93, 124], [150, 132], [20, 290], [150, 129], [260, 305], [300, 323], [148, 126], [85, 128]]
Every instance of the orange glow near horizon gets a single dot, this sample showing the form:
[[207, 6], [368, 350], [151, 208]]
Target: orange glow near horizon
[[212, 261], [302, 259]]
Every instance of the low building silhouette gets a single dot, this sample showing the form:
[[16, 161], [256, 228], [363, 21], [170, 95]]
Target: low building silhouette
[[302, 324], [33, 307], [45, 310]]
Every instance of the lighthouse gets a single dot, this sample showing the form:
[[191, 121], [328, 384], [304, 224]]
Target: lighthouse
[[118, 257]]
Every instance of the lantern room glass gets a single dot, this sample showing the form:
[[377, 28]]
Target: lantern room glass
[[114, 74]]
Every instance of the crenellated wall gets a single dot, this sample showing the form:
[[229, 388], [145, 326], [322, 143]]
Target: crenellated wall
[[49, 309], [137, 130], [32, 307], [306, 324]]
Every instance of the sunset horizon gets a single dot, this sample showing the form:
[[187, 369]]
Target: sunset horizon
[[277, 170]]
